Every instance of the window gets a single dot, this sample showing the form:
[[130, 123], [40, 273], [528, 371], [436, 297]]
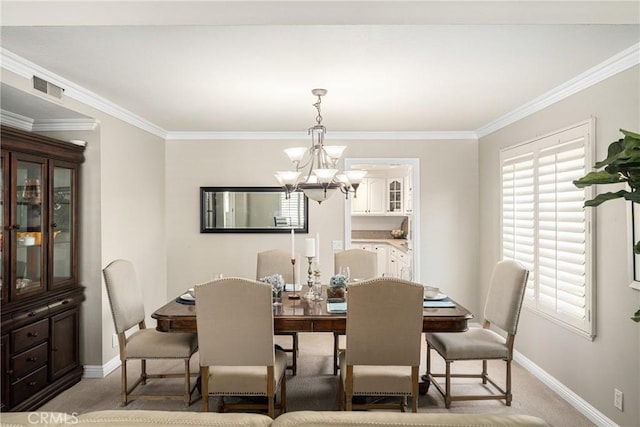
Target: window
[[546, 227]]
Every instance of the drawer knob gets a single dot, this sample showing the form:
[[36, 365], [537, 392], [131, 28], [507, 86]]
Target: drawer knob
[[32, 313], [66, 301], [32, 384], [32, 334], [32, 359]]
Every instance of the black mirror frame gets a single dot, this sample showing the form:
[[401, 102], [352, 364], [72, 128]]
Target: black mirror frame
[[203, 229]]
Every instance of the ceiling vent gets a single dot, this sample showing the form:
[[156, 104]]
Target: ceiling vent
[[47, 87]]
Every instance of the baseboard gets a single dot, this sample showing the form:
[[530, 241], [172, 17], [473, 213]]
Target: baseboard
[[563, 391], [101, 371]]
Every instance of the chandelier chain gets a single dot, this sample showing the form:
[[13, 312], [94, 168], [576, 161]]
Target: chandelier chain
[[317, 105]]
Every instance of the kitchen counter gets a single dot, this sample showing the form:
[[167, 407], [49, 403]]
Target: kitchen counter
[[400, 244]]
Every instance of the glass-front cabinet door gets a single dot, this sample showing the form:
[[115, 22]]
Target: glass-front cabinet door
[[27, 224], [4, 234], [62, 219]]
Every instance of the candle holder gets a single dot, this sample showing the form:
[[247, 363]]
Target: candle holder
[[294, 295], [310, 295]]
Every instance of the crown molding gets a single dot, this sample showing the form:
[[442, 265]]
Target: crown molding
[[345, 135], [27, 69], [16, 120], [614, 65], [28, 124], [43, 125]]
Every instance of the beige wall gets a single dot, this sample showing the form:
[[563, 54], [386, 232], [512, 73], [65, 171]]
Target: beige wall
[[449, 209], [123, 216], [592, 369]]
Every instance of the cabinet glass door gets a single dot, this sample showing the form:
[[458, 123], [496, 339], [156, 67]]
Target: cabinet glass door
[[62, 229], [4, 216], [395, 195], [28, 223]]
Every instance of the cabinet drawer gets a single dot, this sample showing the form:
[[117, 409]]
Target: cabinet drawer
[[29, 335], [29, 385], [65, 303], [25, 317], [29, 360]]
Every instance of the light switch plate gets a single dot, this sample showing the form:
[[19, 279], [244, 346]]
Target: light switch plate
[[336, 245]]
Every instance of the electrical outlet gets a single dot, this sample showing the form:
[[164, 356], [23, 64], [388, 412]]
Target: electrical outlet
[[114, 340], [336, 245], [617, 398]]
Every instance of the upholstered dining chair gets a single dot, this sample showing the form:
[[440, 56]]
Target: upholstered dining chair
[[502, 309], [127, 308], [384, 335], [362, 265], [278, 261], [234, 318]]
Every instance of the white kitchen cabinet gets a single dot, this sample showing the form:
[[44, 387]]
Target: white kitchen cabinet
[[395, 196], [397, 261], [382, 250], [363, 246], [370, 198], [408, 195]]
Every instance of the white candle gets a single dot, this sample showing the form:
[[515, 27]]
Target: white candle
[[293, 246], [311, 247], [318, 248]]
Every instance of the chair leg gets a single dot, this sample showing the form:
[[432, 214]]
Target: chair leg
[[484, 372], [447, 397], [415, 373], [428, 360], [187, 383], [143, 371], [340, 395], [509, 396], [336, 349], [204, 387], [349, 388], [294, 354], [123, 383], [283, 395]]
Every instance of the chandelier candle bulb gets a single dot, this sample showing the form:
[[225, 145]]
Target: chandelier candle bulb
[[310, 248]]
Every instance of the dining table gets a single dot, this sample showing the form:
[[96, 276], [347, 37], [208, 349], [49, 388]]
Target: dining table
[[304, 315], [295, 313]]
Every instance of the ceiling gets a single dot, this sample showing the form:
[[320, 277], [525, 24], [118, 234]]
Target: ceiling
[[237, 66]]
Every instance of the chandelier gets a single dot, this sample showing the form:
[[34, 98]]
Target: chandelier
[[316, 173]]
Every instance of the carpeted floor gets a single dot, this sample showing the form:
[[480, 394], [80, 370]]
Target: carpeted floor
[[315, 388]]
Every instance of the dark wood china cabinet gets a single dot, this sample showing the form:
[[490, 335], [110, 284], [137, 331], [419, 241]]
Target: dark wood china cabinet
[[39, 289]]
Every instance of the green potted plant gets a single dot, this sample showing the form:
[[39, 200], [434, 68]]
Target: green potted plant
[[337, 286], [622, 165]]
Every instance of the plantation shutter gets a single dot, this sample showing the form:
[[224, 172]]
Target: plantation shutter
[[518, 221], [546, 227]]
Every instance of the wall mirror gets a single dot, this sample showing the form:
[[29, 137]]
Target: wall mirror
[[252, 210]]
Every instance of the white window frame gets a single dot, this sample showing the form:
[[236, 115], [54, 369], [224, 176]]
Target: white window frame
[[530, 227]]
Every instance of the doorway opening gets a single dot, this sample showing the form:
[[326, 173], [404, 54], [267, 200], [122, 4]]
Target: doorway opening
[[387, 200]]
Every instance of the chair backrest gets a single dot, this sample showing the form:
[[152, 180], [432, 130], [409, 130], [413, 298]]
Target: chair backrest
[[362, 264], [234, 318], [125, 295], [504, 300], [384, 322], [277, 261]]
